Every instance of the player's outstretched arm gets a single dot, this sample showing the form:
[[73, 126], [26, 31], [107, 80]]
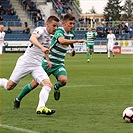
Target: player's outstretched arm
[[64, 41], [81, 41]]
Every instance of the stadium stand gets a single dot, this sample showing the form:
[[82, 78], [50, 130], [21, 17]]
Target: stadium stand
[[17, 35], [33, 12], [122, 32], [36, 15], [11, 19], [9, 16]]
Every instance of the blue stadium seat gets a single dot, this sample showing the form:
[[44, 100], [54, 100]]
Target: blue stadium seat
[[3, 22], [17, 35], [131, 27], [8, 18]]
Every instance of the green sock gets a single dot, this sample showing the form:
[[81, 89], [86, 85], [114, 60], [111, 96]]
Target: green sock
[[58, 84], [24, 91], [88, 55]]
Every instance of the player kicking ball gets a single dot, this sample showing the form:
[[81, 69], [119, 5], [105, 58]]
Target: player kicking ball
[[58, 49]]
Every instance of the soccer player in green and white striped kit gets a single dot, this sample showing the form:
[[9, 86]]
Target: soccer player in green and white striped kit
[[90, 36], [59, 44]]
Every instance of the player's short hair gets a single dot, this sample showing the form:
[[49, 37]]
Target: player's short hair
[[89, 27], [68, 17], [51, 18]]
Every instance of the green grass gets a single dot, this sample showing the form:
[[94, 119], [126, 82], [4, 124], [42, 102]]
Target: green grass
[[91, 102]]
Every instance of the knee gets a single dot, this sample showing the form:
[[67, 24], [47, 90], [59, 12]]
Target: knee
[[46, 83], [9, 87], [63, 82], [50, 85]]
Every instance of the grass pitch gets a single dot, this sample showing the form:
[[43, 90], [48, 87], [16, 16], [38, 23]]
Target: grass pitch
[[91, 102]]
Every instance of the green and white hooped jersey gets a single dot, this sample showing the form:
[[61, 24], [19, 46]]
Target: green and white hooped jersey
[[90, 36], [57, 51]]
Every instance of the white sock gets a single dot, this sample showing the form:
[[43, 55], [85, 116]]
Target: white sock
[[113, 52], [108, 53], [3, 82], [43, 96]]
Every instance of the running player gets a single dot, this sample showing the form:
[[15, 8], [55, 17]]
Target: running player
[[31, 63], [111, 40], [60, 42], [90, 36]]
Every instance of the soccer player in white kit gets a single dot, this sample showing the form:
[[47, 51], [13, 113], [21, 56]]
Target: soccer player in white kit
[[2, 35], [31, 63], [111, 40]]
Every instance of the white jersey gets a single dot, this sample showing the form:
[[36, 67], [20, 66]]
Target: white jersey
[[2, 35], [111, 38], [33, 53], [31, 61]]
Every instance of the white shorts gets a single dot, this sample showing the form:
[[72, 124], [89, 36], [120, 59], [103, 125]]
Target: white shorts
[[110, 47], [0, 49], [22, 69]]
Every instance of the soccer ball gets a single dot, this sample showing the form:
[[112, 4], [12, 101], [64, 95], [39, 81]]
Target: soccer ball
[[128, 114]]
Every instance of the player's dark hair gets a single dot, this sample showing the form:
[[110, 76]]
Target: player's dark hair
[[51, 18], [68, 17], [1, 25]]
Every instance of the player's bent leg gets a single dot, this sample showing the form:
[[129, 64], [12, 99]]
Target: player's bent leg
[[7, 84], [113, 53], [10, 85], [63, 80], [46, 82]]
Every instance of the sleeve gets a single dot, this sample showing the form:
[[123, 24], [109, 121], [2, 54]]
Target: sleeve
[[58, 33], [107, 37], [85, 36], [114, 36], [3, 34], [38, 31], [94, 35]]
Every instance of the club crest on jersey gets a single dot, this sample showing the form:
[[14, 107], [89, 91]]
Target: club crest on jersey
[[46, 42], [36, 31], [47, 39]]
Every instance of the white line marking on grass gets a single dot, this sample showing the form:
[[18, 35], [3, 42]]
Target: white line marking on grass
[[68, 86], [90, 85], [17, 129]]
